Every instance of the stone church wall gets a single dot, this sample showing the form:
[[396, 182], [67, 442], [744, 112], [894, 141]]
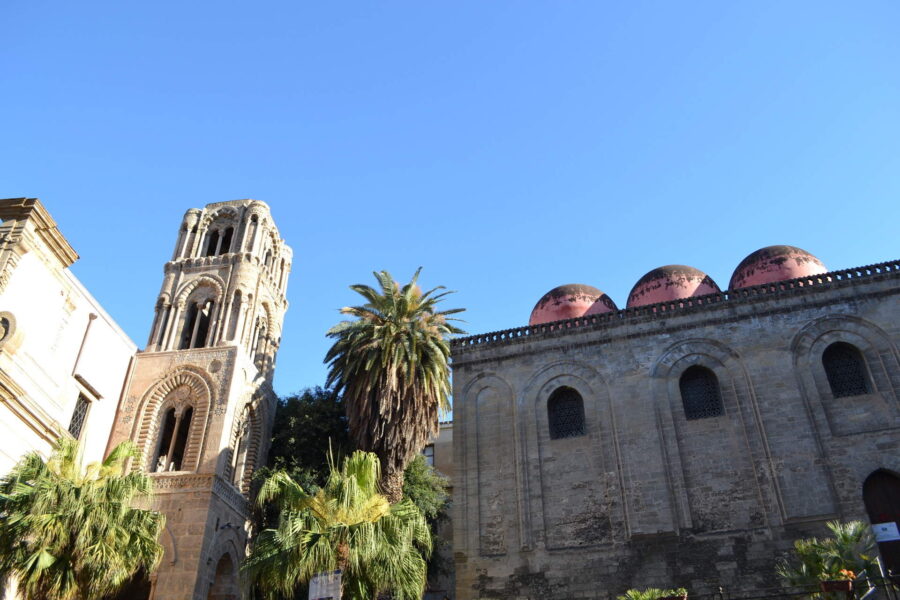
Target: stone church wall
[[647, 497]]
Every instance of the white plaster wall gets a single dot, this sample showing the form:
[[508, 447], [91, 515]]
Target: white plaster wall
[[52, 310]]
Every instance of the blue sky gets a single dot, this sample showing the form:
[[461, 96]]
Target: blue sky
[[506, 147]]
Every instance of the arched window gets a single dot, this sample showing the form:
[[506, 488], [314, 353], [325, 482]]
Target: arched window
[[250, 236], [173, 437], [184, 429], [565, 412], [881, 495], [845, 368], [200, 339], [700, 393], [196, 325], [167, 431], [190, 322], [212, 243], [226, 241]]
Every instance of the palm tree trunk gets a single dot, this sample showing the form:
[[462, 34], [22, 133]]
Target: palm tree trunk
[[392, 484]]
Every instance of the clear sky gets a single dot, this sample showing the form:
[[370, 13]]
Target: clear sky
[[505, 146]]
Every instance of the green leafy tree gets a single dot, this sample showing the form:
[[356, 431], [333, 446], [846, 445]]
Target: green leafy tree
[[391, 366], [429, 491], [69, 532], [849, 550], [348, 525], [307, 425]]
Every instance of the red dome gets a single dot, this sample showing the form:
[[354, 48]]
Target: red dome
[[672, 282], [775, 263], [570, 301]]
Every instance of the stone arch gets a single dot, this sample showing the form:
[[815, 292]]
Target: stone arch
[[727, 446], [225, 213], [881, 496], [570, 484], [169, 544], [188, 288], [182, 387], [847, 415], [268, 314], [248, 425], [224, 580], [488, 402]]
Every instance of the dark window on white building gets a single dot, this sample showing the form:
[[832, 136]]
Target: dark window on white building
[[79, 415]]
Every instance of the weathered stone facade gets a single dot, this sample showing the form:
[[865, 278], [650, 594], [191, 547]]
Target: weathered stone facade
[[646, 496], [199, 401]]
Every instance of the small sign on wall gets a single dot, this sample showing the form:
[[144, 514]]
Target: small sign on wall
[[886, 532], [325, 586]]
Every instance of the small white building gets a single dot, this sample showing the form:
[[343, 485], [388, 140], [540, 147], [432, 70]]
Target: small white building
[[63, 360]]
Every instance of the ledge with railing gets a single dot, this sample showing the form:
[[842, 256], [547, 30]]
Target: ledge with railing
[[669, 308]]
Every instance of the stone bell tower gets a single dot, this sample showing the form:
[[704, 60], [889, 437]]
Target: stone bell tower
[[199, 402]]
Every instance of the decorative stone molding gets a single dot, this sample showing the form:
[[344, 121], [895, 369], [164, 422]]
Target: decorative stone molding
[[229, 213], [182, 387], [188, 288], [230, 495], [31, 210]]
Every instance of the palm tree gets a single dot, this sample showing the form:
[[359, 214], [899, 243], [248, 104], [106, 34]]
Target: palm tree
[[653, 594], [346, 525], [69, 532], [849, 550], [391, 364]]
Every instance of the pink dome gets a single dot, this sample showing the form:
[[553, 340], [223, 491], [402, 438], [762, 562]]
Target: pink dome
[[570, 301], [672, 282], [775, 263]]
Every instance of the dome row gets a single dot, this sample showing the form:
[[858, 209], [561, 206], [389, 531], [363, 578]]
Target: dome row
[[675, 282]]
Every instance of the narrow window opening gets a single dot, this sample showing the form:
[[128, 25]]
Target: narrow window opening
[[565, 412], [163, 324], [428, 452], [226, 241], [235, 315], [76, 424], [212, 243], [700, 393], [190, 321], [184, 428], [251, 233], [240, 455], [161, 460], [845, 368], [260, 346], [205, 316]]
